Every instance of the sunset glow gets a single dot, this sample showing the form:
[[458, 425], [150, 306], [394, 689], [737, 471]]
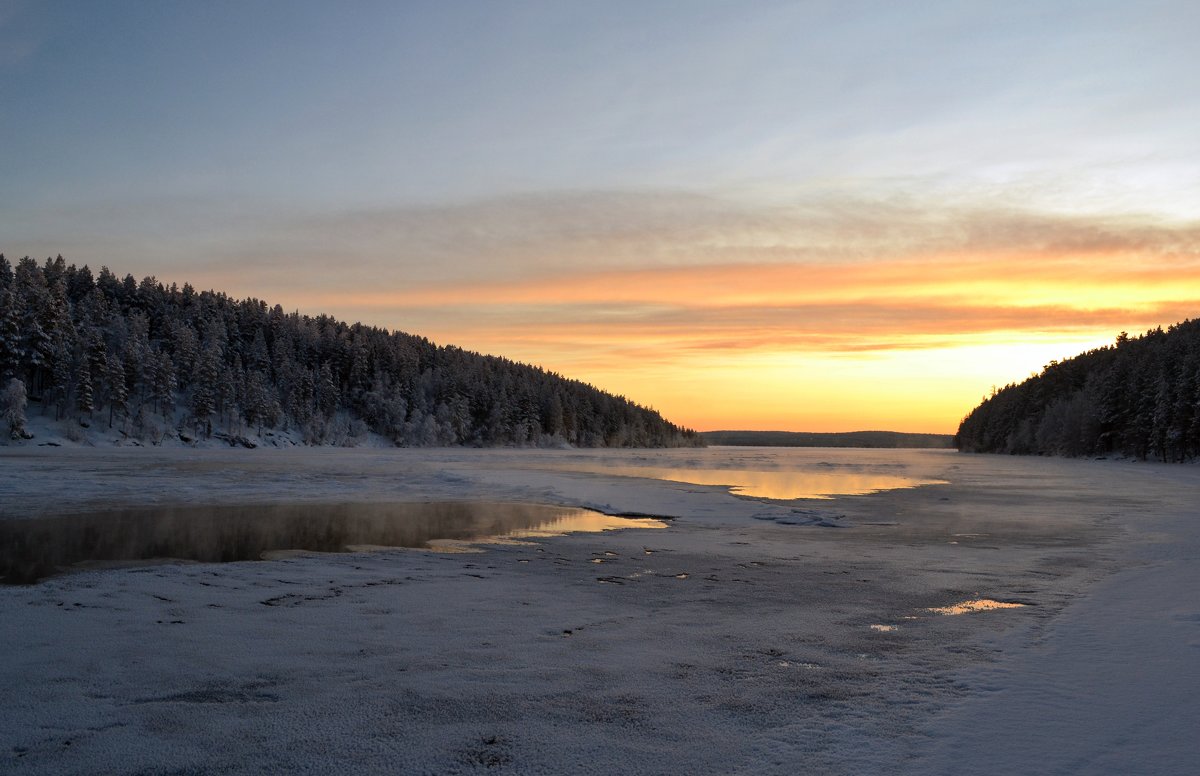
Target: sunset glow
[[937, 332], [767, 217]]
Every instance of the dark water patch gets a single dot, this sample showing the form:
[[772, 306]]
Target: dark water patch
[[35, 548]]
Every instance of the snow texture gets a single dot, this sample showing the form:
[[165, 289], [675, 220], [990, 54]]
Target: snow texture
[[744, 638]]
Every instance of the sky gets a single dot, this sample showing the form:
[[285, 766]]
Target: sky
[[819, 216]]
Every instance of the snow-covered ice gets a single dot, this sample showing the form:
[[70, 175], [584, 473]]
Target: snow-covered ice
[[750, 636]]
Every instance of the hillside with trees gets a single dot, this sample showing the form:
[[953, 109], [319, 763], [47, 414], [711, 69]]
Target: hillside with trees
[[165, 362], [1139, 397]]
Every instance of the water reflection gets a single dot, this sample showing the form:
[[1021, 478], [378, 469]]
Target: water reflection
[[781, 484], [35, 548], [975, 605], [582, 521]]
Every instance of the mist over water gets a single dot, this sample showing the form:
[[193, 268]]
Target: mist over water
[[782, 485], [772, 473], [33, 549]]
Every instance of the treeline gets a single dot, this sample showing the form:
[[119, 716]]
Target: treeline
[[1139, 397], [157, 360], [881, 439]]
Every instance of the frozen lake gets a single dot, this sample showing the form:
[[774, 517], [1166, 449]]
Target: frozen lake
[[919, 629]]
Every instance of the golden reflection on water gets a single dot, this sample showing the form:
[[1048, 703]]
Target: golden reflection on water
[[778, 484], [974, 605], [582, 521]]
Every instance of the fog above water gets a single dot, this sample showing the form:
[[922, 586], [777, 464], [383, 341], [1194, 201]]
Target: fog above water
[[781, 474], [783, 485]]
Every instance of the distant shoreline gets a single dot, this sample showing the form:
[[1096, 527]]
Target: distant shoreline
[[882, 439]]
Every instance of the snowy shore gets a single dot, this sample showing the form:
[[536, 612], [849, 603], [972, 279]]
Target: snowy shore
[[739, 639]]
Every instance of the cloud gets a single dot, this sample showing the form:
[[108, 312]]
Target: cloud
[[523, 238], [816, 327], [1017, 278], [690, 271], [535, 238]]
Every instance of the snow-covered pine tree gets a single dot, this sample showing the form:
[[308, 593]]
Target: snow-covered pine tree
[[80, 284], [60, 386], [258, 358], [228, 390], [84, 401], [118, 391], [186, 349], [33, 298], [139, 369], [327, 391], [204, 392], [163, 391], [95, 351], [10, 335], [12, 408]]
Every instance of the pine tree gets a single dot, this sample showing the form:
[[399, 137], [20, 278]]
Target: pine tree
[[61, 379], [83, 390], [118, 391], [139, 369], [163, 391], [256, 404], [227, 391], [80, 284], [10, 335], [96, 352], [204, 395], [258, 358], [108, 285], [12, 408], [33, 298], [327, 391], [360, 369]]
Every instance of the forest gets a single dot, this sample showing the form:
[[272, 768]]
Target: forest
[[1139, 397], [159, 362]]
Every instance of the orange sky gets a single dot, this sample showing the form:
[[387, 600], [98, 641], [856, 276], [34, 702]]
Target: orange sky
[[723, 311], [902, 342]]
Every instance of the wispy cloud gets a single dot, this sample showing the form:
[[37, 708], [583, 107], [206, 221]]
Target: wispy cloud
[[1076, 279], [537, 236], [685, 334]]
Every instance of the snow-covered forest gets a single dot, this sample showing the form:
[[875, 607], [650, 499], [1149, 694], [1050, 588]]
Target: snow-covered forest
[[161, 362], [1139, 397]]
